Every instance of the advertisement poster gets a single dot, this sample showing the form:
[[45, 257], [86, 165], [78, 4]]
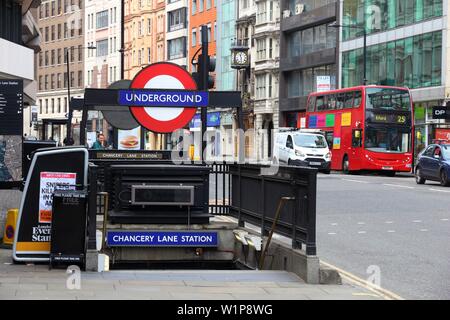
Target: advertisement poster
[[443, 135], [49, 182], [323, 83], [10, 158], [129, 139], [91, 137], [346, 119]]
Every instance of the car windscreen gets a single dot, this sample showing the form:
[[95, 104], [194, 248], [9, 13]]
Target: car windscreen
[[446, 152], [310, 141]]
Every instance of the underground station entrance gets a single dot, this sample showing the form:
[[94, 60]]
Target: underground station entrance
[[120, 209]]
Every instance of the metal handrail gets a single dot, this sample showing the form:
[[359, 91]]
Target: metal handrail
[[281, 203]]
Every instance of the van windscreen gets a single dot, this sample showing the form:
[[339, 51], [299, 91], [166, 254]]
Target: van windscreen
[[310, 141]]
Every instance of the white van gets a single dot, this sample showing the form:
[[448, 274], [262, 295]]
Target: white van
[[303, 148]]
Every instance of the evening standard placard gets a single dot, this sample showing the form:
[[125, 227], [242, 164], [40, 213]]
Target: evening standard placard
[[49, 182], [162, 239]]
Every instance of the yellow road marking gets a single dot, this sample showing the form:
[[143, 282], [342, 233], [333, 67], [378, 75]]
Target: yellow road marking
[[386, 294]]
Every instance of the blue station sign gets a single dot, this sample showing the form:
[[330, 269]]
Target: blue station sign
[[147, 98], [161, 239]]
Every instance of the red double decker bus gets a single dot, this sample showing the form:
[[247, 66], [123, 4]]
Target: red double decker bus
[[367, 127]]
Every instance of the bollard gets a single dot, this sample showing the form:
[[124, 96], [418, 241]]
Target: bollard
[[10, 226]]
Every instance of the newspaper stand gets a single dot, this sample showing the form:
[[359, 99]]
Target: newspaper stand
[[69, 228]]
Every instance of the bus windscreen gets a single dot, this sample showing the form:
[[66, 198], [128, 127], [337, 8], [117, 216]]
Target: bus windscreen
[[388, 99]]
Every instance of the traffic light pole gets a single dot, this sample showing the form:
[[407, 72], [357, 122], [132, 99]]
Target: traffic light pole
[[204, 76]]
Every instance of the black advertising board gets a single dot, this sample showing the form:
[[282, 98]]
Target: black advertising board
[[30, 146], [50, 170], [11, 107], [441, 112], [69, 227]]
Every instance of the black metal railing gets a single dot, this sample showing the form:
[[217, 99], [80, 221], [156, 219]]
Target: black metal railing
[[219, 188], [243, 192], [255, 198]]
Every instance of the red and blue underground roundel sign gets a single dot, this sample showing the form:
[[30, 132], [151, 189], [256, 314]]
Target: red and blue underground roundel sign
[[163, 76]]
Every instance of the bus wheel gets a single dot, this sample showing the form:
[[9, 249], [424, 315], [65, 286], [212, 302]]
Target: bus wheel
[[346, 165]]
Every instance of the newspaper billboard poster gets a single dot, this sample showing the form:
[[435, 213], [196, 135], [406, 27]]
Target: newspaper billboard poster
[[50, 181]]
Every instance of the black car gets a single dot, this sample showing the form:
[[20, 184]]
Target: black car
[[434, 164]]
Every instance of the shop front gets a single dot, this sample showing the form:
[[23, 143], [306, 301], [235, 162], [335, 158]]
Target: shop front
[[428, 127], [213, 135]]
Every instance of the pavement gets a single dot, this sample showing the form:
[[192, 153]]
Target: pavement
[[30, 281], [389, 229]]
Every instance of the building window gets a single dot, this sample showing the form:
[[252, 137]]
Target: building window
[[40, 83], [66, 30], [200, 5], [194, 6], [261, 12], [413, 62], [194, 37], [40, 59], [378, 16], [261, 49], [102, 48], [53, 57], [72, 29], [102, 19], [80, 79], [72, 78], [209, 32], [58, 81], [177, 19], [149, 26], [303, 82], [208, 4], [46, 82], [176, 48], [260, 86]]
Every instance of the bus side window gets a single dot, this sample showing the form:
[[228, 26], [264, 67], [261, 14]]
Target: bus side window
[[311, 103], [357, 99], [348, 100], [357, 138], [331, 102], [340, 101], [320, 103]]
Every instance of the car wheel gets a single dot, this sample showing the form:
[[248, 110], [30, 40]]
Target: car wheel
[[444, 178], [346, 165], [419, 179]]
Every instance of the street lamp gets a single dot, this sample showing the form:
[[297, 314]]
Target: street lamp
[[335, 25], [69, 140]]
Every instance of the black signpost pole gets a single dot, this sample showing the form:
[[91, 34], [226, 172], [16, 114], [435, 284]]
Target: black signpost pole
[[204, 75], [69, 117]]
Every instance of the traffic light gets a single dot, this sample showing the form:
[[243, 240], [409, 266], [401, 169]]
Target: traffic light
[[204, 67]]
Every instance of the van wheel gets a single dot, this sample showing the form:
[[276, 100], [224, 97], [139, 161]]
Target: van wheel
[[289, 162], [444, 178], [346, 165], [419, 179]]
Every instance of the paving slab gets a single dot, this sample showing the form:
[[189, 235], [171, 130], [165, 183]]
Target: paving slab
[[38, 282]]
